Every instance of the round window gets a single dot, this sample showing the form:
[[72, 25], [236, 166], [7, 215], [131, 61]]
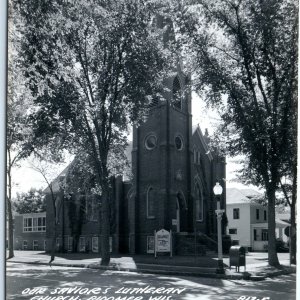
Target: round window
[[150, 142], [178, 143]]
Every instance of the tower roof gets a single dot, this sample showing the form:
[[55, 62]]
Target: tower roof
[[196, 130]]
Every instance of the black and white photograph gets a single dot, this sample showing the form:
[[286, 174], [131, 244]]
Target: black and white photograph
[[151, 149]]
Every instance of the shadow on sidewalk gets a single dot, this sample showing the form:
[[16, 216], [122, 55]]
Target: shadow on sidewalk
[[191, 261]]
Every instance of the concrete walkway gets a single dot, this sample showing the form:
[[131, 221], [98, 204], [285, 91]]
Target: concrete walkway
[[256, 264]]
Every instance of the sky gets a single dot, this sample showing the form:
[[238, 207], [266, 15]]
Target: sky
[[25, 178]]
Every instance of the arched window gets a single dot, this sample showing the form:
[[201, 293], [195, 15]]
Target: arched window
[[150, 203], [195, 155], [177, 93], [181, 200], [178, 142], [199, 203]]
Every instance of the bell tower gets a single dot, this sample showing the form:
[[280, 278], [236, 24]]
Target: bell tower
[[161, 162]]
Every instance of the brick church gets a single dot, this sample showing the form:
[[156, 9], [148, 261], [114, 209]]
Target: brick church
[[174, 173]]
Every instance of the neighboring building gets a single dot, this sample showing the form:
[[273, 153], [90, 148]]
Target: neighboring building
[[248, 220], [30, 231]]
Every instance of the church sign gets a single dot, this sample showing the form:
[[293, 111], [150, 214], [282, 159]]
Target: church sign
[[163, 241]]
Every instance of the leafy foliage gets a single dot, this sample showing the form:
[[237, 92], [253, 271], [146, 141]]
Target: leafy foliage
[[18, 130], [249, 50], [244, 57], [93, 67], [30, 202]]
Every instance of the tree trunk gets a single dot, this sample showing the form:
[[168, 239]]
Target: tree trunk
[[105, 224], [293, 235], [53, 246], [10, 230], [272, 254], [10, 218]]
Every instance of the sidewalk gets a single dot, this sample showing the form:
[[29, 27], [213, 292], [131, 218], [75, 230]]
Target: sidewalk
[[256, 264]]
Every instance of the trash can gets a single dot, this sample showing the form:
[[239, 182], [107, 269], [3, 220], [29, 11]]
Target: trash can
[[237, 257]]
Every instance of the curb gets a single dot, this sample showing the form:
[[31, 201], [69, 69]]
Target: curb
[[241, 276]]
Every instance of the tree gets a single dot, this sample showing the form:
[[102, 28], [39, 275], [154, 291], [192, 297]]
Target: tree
[[29, 202], [18, 129], [93, 68], [55, 188], [244, 56], [16, 136]]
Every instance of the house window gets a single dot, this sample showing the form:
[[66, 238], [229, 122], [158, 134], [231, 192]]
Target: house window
[[265, 215], [70, 243], [232, 231], [198, 157], [25, 245], [82, 244], [199, 203], [257, 214], [195, 156], [236, 213], [35, 245], [255, 235], [150, 203], [177, 94], [34, 224], [264, 235], [27, 224], [95, 246]]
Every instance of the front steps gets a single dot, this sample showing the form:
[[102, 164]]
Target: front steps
[[188, 244]]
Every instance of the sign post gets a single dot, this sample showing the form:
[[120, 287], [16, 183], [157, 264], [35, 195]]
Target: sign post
[[163, 242]]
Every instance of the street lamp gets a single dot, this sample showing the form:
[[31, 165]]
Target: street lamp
[[219, 212]]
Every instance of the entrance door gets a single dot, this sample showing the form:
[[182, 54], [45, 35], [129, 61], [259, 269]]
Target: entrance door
[[177, 215]]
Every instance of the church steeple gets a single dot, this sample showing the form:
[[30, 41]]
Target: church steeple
[[166, 25]]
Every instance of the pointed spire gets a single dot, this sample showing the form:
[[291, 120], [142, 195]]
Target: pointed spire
[[206, 136], [206, 132], [166, 24]]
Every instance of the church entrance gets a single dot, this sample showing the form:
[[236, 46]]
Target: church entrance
[[181, 209], [177, 215]]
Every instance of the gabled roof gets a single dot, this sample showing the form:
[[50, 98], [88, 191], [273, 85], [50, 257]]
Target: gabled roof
[[238, 196], [250, 193], [56, 182], [196, 130]]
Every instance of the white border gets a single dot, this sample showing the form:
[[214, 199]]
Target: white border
[[3, 84]]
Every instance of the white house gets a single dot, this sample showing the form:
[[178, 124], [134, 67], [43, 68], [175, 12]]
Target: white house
[[247, 220]]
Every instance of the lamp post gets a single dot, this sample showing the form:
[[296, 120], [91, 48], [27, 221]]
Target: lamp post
[[219, 212]]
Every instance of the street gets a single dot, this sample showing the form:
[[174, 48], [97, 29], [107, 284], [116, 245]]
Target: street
[[40, 282]]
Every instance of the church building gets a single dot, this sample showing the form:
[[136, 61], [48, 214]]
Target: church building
[[174, 172]]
